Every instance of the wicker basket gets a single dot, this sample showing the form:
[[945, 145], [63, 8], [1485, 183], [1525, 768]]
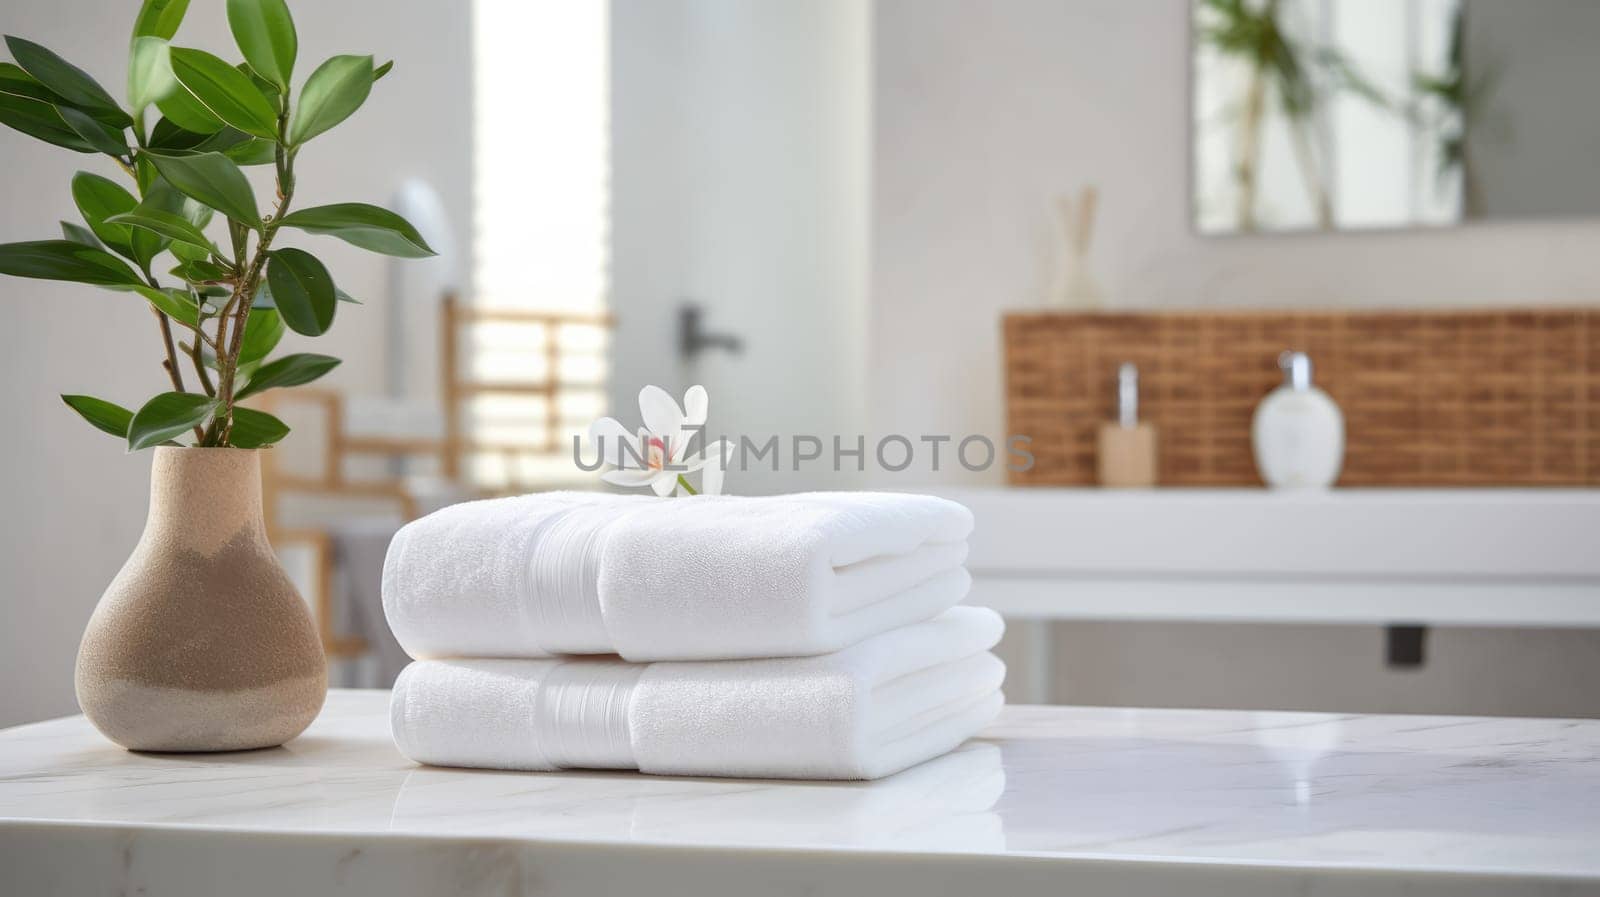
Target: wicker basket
[[1445, 398]]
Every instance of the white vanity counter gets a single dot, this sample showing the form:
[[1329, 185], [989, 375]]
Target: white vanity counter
[[1052, 801], [1512, 557]]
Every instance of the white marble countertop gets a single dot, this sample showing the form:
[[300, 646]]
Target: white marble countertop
[[1054, 800]]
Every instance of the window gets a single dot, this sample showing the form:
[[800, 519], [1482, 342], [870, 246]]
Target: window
[[541, 230]]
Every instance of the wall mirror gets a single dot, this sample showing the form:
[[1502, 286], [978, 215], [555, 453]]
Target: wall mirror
[[1351, 114]]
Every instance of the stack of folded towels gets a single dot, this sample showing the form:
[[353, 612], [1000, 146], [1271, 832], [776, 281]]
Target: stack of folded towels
[[796, 636]]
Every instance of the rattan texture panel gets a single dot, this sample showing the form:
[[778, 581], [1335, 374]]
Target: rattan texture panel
[[1483, 397]]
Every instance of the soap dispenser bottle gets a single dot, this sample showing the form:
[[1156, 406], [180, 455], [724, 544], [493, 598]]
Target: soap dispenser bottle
[[1127, 447], [1298, 431]]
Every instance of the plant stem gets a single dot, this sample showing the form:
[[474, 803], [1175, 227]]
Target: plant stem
[[245, 288], [198, 358], [171, 361], [1305, 157], [684, 485], [1245, 173]]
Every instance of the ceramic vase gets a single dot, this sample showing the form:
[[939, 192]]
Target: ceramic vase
[[202, 643]]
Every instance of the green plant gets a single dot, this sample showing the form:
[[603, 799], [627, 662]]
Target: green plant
[[1301, 75], [229, 305], [1446, 101]]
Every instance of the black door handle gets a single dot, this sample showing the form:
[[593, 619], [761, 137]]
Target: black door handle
[[693, 338]]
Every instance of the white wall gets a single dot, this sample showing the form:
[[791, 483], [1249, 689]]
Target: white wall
[[1533, 144], [985, 111], [72, 503], [740, 153]]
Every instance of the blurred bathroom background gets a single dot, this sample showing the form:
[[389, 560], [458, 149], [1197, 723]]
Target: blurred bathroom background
[[825, 211]]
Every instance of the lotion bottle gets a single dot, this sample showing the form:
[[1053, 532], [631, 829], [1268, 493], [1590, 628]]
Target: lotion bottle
[[1127, 457], [1298, 431]]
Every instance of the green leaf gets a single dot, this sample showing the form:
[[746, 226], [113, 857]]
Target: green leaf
[[150, 75], [214, 180], [262, 331], [99, 199], [103, 415], [186, 252], [189, 113], [221, 142], [159, 18], [346, 297], [225, 91], [97, 134], [268, 90], [255, 429], [265, 34], [290, 370], [65, 260], [186, 112], [240, 147], [175, 304], [77, 233], [168, 224], [166, 416], [336, 89], [253, 151], [41, 120], [201, 271], [144, 172], [65, 79], [380, 71], [197, 213], [160, 197], [367, 226], [168, 137], [15, 81], [302, 291]]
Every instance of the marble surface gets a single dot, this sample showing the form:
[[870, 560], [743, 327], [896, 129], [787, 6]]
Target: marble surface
[[1091, 800]]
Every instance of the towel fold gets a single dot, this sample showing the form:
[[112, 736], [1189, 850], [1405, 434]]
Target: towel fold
[[875, 708], [712, 577]]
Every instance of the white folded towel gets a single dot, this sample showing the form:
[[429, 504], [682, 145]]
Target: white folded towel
[[702, 578], [875, 708]]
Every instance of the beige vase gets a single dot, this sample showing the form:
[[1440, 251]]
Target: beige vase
[[201, 643]]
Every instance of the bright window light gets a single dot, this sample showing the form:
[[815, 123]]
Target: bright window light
[[541, 222]]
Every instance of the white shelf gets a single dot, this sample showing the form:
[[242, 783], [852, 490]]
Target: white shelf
[[1449, 556]]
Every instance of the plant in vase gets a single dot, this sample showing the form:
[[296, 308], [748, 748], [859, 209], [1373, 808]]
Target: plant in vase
[[201, 642]]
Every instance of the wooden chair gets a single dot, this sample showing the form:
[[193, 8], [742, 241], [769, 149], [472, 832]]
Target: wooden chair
[[451, 449]]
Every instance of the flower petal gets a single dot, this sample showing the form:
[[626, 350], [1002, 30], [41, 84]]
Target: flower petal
[[691, 434], [696, 404], [609, 436], [663, 484], [662, 416], [629, 479], [717, 457]]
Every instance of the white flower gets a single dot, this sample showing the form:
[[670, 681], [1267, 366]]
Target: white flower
[[659, 454]]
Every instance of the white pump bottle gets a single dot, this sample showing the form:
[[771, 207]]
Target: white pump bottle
[[1298, 431]]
